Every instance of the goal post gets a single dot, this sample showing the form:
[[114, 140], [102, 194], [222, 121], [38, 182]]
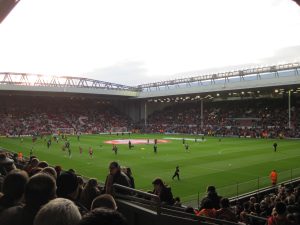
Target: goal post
[[70, 131], [118, 129]]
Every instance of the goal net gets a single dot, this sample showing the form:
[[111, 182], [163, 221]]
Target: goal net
[[118, 129], [65, 131]]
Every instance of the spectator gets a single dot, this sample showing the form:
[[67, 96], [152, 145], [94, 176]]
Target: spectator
[[38, 191], [58, 170], [279, 215], [13, 189], [42, 164], [6, 164], [103, 216], [31, 165], [213, 196], [104, 201], [50, 171], [115, 176], [89, 192], [207, 209], [67, 187], [246, 210], [177, 202], [163, 192], [81, 186], [129, 175], [59, 211], [225, 213]]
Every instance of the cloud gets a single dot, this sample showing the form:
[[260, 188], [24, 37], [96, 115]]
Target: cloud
[[135, 72], [128, 73], [283, 55]]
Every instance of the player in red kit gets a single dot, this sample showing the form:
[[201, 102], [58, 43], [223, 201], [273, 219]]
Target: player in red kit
[[91, 152]]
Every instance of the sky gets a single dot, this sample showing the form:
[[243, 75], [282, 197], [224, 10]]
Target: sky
[[137, 41]]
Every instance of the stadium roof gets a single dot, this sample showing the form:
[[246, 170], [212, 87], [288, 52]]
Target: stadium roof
[[262, 77], [5, 7]]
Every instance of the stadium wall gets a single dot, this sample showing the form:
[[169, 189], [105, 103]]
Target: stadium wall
[[137, 110]]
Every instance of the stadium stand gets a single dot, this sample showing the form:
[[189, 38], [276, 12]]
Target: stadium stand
[[45, 115], [255, 118]]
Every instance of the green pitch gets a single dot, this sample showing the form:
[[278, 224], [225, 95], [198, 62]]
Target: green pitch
[[222, 163]]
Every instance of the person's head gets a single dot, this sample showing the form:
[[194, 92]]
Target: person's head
[[280, 208], [50, 171], [211, 189], [103, 216], [114, 168], [158, 184], [34, 171], [59, 211], [252, 200], [6, 164], [72, 170], [80, 181], [92, 183], [263, 205], [257, 207], [224, 203], [42, 164], [104, 201], [39, 190], [34, 162], [58, 170], [14, 184], [67, 185]]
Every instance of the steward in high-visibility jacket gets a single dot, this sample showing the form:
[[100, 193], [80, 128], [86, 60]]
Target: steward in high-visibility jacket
[[273, 176]]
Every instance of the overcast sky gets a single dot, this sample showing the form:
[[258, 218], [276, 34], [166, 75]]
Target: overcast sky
[[138, 41]]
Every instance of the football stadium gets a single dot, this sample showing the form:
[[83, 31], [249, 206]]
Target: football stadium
[[215, 148]]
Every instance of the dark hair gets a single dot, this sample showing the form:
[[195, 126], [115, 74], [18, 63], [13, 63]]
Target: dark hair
[[224, 203], [58, 170], [103, 216], [42, 164], [39, 190], [211, 189], [14, 184], [280, 208], [67, 183], [114, 164], [158, 181]]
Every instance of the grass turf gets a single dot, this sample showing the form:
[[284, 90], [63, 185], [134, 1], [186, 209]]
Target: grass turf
[[211, 162]]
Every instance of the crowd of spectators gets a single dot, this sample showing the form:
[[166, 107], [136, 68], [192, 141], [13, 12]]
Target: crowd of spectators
[[42, 195], [279, 207], [244, 118], [20, 116], [254, 118]]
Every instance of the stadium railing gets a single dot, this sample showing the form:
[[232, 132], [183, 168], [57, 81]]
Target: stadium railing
[[134, 203], [253, 186]]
